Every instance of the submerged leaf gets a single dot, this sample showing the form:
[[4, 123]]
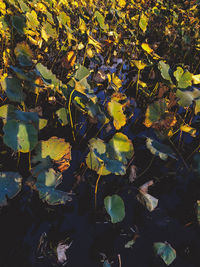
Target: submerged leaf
[[23, 54], [115, 208], [13, 88]]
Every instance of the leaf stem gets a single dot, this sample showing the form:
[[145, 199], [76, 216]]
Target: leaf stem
[[96, 186], [70, 114]]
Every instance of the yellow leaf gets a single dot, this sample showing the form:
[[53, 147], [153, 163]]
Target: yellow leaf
[[147, 48], [139, 64], [186, 128], [115, 109], [95, 43], [121, 3], [117, 82], [196, 79]]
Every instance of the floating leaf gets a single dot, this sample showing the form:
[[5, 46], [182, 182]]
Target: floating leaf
[[121, 148], [158, 149], [51, 195], [54, 147], [13, 89], [19, 23], [47, 75], [116, 81], [115, 109], [62, 116], [139, 64], [42, 123], [23, 54], [165, 251], [48, 32], [147, 200], [7, 111], [100, 19], [20, 136], [81, 73], [188, 129], [184, 79], [10, 185], [165, 70], [196, 79], [68, 60], [32, 19], [143, 23], [115, 208], [186, 97], [154, 112]]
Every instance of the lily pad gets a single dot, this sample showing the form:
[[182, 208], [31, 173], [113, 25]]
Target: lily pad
[[10, 185], [165, 70], [184, 79], [47, 75], [158, 149], [115, 208], [51, 195], [54, 147], [62, 116], [13, 88], [165, 251], [20, 136]]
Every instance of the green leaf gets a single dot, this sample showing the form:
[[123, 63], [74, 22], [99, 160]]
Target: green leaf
[[20, 136], [184, 79], [13, 89], [51, 195], [10, 185], [187, 97], [115, 208], [165, 70], [47, 31], [42, 123], [19, 23], [143, 23], [154, 112], [7, 111], [62, 116], [49, 177], [23, 6], [47, 75], [100, 19], [81, 73], [23, 54], [54, 147], [165, 251], [158, 149], [32, 19], [120, 147]]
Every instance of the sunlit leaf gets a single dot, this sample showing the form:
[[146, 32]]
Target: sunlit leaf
[[54, 147], [188, 129], [62, 116], [143, 23], [185, 98], [154, 112], [196, 79], [32, 19], [10, 185], [139, 64], [115, 109], [184, 79], [165, 251], [117, 81], [115, 208], [47, 75], [165, 70], [68, 60], [42, 123]]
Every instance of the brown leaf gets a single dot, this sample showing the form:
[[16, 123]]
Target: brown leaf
[[133, 174], [68, 60], [144, 188]]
